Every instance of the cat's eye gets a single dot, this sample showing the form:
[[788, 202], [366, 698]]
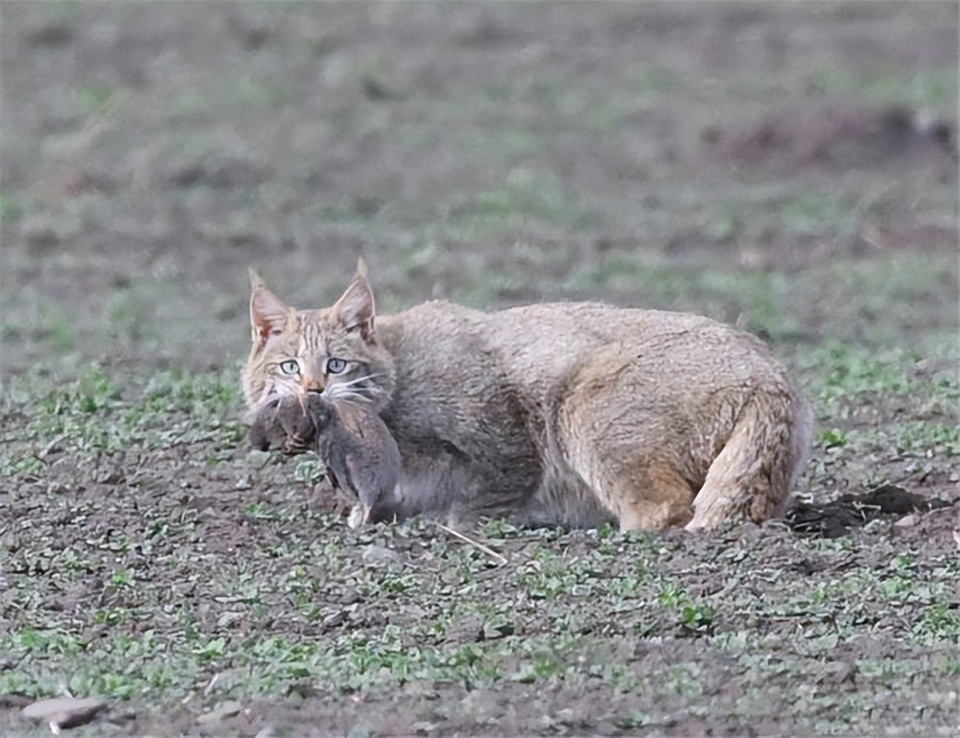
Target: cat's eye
[[290, 366], [335, 366]]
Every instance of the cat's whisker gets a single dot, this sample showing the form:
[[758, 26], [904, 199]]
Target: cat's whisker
[[361, 379], [350, 395], [353, 389]]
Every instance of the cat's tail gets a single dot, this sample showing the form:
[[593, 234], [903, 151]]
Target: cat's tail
[[752, 476]]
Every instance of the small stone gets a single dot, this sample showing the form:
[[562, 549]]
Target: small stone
[[230, 618], [374, 554], [65, 712], [361, 731], [469, 630], [221, 712], [838, 672], [258, 459], [907, 521], [500, 630]]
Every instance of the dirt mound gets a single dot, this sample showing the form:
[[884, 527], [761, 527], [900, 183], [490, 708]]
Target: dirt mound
[[834, 138], [838, 517]]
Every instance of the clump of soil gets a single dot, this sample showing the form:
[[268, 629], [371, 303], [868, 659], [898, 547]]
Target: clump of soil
[[838, 517], [834, 138]]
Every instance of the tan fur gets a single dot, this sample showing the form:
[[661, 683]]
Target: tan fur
[[569, 412]]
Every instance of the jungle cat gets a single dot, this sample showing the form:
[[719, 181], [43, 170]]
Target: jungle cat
[[571, 413]]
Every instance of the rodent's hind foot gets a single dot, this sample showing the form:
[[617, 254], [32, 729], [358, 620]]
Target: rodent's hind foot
[[358, 516]]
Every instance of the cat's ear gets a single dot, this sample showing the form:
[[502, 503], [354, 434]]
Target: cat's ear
[[355, 308], [267, 313]]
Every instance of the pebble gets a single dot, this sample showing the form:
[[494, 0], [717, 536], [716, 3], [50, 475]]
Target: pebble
[[221, 712], [65, 712], [374, 554]]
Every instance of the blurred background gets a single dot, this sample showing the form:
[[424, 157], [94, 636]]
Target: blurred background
[[787, 167]]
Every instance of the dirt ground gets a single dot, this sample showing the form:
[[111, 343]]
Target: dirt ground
[[789, 168]]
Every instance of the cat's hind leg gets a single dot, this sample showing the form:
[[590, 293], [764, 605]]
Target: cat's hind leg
[[626, 447]]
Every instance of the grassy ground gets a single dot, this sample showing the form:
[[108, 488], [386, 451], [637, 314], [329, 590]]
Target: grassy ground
[[791, 169]]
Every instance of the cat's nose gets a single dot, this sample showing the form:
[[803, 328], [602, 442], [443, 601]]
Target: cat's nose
[[312, 382]]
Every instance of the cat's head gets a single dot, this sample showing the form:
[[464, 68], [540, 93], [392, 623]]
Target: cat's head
[[335, 350]]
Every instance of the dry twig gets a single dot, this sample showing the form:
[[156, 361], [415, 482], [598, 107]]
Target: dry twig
[[486, 549]]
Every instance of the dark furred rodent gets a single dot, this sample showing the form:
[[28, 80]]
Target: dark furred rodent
[[360, 455]]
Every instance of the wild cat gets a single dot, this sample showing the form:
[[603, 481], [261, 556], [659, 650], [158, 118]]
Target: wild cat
[[355, 446], [571, 413]]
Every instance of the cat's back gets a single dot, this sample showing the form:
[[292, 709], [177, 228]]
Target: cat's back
[[674, 347], [547, 340], [583, 323]]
